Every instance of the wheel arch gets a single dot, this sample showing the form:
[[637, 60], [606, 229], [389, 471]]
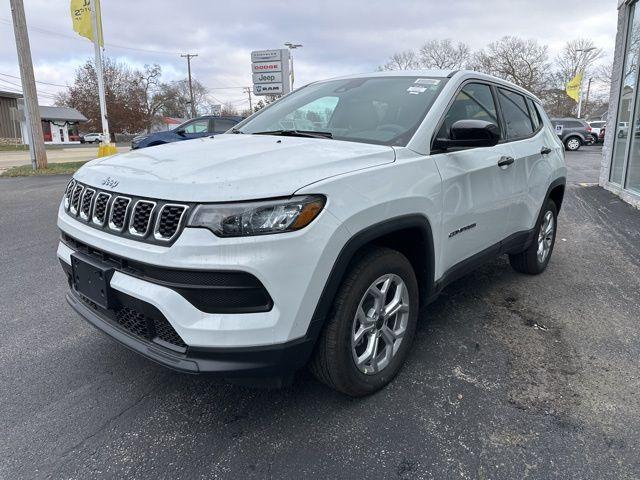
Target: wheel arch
[[410, 234]]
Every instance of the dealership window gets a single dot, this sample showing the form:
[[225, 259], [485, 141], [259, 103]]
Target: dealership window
[[624, 129]]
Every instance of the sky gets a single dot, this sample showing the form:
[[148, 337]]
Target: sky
[[339, 36]]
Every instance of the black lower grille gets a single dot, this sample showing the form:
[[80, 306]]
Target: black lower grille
[[149, 324], [133, 321], [165, 332]]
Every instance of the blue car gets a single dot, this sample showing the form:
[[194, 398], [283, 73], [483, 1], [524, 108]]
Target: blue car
[[198, 127]]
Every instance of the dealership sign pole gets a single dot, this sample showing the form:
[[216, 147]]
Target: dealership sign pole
[[270, 71]]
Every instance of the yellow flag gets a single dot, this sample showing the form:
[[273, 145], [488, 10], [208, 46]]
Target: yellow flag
[[81, 17], [574, 85]]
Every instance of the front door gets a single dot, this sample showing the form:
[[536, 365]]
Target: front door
[[476, 191], [197, 128]]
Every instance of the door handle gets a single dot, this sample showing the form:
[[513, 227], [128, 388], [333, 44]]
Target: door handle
[[504, 162], [545, 150]]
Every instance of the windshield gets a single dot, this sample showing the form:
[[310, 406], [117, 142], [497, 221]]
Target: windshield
[[381, 110]]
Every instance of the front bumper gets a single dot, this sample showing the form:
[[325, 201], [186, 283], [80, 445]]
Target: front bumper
[[293, 268], [278, 361]]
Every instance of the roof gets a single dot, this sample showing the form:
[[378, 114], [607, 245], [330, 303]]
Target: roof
[[4, 93], [461, 75], [61, 113]]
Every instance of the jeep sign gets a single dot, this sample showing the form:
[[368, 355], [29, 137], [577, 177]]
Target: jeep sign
[[270, 71], [275, 77]]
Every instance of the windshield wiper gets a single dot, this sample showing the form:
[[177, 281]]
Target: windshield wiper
[[235, 130], [297, 133]]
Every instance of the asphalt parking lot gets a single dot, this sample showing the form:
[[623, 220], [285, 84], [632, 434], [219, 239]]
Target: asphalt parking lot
[[510, 376]]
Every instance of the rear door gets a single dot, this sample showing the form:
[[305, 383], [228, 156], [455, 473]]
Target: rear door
[[476, 191], [531, 147], [221, 125]]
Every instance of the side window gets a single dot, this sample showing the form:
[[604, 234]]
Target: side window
[[475, 101], [197, 126], [221, 125], [516, 115], [535, 116]]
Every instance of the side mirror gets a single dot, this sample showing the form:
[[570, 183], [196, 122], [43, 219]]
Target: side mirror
[[470, 133], [181, 132]]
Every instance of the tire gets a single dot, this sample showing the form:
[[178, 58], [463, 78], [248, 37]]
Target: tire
[[334, 360], [595, 138], [572, 143], [529, 261]]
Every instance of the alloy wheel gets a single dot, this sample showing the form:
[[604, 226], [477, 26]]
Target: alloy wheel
[[545, 236], [573, 144], [379, 324]]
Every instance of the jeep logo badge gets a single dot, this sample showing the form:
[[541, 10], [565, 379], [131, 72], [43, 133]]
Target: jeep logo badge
[[110, 182]]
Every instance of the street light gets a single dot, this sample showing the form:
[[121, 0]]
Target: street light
[[292, 46], [583, 58]]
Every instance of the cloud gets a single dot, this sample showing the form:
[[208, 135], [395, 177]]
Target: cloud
[[339, 37]]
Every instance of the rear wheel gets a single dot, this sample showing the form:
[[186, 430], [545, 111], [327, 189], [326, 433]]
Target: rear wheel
[[372, 324], [534, 260], [573, 143]]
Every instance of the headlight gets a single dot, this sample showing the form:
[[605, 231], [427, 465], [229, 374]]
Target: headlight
[[258, 218]]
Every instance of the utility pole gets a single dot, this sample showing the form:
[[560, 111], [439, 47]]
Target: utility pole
[[582, 64], [586, 100], [99, 72], [292, 46], [36, 142], [189, 56], [248, 90]]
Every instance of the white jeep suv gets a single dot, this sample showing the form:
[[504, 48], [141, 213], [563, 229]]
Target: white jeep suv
[[314, 230]]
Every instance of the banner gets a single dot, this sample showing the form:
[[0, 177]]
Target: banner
[[81, 17], [574, 86]]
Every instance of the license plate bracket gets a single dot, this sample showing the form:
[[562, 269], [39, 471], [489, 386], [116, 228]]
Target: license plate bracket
[[91, 278]]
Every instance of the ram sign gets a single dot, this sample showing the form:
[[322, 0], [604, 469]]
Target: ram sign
[[270, 69]]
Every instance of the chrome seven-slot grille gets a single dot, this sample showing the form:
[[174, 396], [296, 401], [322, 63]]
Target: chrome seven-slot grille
[[148, 220]]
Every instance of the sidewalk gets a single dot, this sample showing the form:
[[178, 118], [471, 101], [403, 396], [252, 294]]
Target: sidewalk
[[73, 154]]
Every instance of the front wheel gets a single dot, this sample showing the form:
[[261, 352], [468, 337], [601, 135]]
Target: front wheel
[[371, 326], [535, 258]]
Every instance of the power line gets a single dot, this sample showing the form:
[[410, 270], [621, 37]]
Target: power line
[[40, 92], [72, 37], [43, 83]]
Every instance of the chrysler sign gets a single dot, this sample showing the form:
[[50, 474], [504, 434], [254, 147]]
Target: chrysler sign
[[270, 72]]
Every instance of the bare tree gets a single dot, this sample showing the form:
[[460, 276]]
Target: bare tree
[[577, 55], [523, 62], [603, 73], [444, 55], [406, 60], [229, 110]]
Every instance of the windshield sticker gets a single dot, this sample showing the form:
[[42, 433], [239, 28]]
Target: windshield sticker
[[416, 90], [427, 81]]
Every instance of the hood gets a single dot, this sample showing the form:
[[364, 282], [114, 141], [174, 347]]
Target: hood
[[230, 167]]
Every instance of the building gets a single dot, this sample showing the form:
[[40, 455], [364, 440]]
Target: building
[[620, 170], [59, 124], [9, 118]]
